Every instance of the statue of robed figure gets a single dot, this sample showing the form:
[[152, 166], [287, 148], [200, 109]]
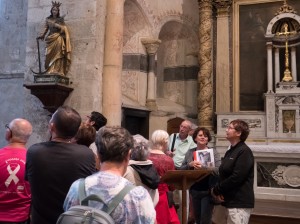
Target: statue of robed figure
[[58, 47]]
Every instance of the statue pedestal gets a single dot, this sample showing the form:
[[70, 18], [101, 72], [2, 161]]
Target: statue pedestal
[[51, 78], [52, 90], [288, 87]]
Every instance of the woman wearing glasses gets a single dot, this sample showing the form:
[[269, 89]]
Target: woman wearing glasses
[[235, 186]]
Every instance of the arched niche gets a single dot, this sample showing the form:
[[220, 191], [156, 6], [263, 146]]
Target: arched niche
[[283, 50], [177, 64], [134, 71]]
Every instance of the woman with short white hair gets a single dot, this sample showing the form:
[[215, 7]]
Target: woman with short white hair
[[165, 210]]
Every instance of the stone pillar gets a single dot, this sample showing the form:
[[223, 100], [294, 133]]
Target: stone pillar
[[222, 56], [277, 66], [112, 67], [151, 46], [270, 67], [293, 64], [205, 94]]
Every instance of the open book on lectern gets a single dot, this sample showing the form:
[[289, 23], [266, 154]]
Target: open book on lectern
[[205, 156]]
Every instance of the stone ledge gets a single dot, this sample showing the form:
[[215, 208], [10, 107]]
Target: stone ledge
[[277, 209]]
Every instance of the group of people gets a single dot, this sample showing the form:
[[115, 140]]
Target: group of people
[[231, 182], [37, 185]]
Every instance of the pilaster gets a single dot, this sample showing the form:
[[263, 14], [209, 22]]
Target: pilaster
[[151, 46], [222, 56]]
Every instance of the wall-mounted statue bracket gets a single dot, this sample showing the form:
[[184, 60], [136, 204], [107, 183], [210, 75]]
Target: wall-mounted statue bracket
[[52, 90]]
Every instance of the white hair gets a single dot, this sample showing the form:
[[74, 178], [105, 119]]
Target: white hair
[[159, 138]]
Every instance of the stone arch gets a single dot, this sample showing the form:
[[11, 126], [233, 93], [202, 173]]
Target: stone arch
[[177, 66], [169, 16], [136, 25], [148, 13], [291, 16]]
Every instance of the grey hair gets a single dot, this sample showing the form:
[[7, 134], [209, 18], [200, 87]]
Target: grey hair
[[113, 143], [140, 150]]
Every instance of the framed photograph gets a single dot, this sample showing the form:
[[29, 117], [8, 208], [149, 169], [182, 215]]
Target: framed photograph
[[205, 157], [250, 20]]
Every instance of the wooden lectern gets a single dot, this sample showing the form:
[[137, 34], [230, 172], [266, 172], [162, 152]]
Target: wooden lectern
[[183, 180]]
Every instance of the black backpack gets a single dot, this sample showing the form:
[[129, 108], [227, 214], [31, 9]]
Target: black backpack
[[83, 214]]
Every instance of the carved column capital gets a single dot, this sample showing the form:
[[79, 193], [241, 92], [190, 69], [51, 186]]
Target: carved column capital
[[151, 45], [222, 6], [205, 4]]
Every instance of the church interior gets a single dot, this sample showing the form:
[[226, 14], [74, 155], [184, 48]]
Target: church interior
[[148, 65]]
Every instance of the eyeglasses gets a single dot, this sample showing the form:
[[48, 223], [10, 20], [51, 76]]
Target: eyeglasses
[[229, 127], [7, 127]]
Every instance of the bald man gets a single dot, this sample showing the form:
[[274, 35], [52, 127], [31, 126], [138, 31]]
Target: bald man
[[15, 195]]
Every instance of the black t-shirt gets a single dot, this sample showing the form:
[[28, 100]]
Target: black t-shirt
[[51, 168]]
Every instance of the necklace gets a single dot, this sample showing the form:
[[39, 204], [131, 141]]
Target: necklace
[[58, 139]]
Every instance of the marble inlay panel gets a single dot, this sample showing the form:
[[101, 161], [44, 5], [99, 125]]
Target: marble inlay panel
[[180, 73], [278, 175], [135, 62]]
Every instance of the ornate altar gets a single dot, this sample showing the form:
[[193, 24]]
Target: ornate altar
[[275, 133]]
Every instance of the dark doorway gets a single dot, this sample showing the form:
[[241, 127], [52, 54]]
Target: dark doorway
[[136, 121], [173, 125]]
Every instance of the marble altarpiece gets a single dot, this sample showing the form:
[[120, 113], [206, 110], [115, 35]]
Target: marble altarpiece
[[275, 131]]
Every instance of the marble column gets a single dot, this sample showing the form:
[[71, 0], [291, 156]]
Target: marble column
[[205, 86], [112, 67], [293, 64], [277, 66], [270, 67], [222, 56], [151, 46]]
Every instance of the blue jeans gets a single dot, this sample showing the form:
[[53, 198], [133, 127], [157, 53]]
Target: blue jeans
[[202, 206]]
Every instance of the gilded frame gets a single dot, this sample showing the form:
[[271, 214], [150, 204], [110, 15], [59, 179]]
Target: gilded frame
[[236, 46]]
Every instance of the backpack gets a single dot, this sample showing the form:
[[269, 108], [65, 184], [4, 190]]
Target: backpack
[[83, 214]]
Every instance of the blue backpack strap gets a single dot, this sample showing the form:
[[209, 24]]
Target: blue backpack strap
[[81, 190], [119, 197]]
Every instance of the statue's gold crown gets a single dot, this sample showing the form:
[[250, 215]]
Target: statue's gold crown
[[56, 4]]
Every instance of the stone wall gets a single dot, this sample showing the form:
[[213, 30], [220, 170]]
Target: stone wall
[[22, 21], [11, 98], [13, 16], [86, 23]]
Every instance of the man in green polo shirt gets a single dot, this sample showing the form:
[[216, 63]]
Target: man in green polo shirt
[[179, 144]]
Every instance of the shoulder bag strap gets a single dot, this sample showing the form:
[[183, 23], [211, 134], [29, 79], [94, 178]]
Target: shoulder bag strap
[[173, 142], [118, 198]]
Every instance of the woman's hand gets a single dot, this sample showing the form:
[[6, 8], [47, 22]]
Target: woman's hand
[[216, 198], [169, 153], [196, 165]]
